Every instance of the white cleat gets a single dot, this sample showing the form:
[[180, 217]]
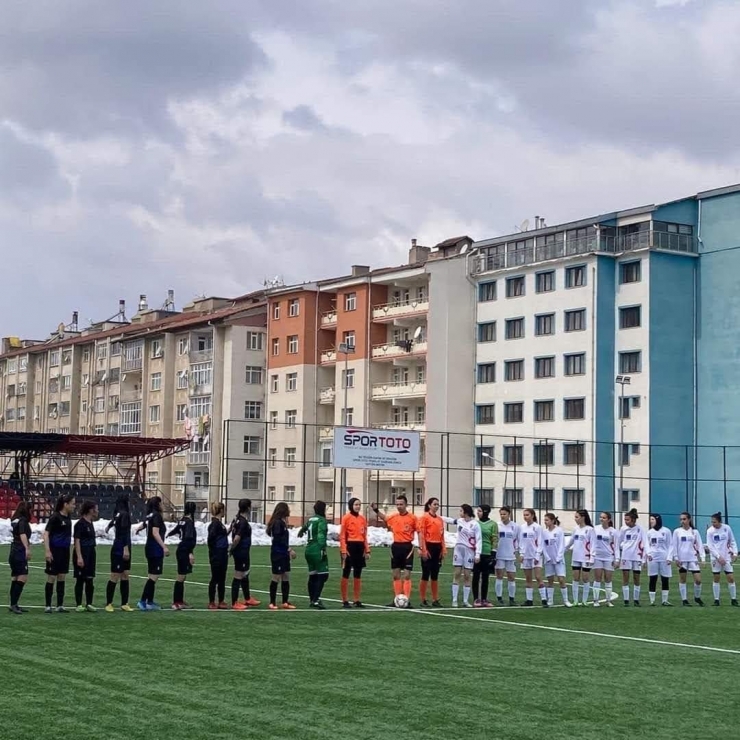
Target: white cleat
[[567, 604], [596, 604]]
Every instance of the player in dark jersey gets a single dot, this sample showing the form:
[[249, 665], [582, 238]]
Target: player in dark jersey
[[155, 550], [20, 554], [184, 554], [218, 557], [120, 555], [85, 556], [241, 545], [57, 544], [280, 555]]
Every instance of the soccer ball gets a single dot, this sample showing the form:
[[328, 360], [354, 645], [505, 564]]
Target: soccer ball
[[401, 601]]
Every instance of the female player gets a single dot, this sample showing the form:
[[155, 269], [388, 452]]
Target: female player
[[466, 553], [582, 544], [85, 556], [280, 555], [155, 550], [432, 549], [184, 554], [57, 543], [688, 551], [553, 552], [508, 544], [606, 556], [20, 554], [355, 552], [318, 563], [659, 556], [218, 557], [241, 546], [632, 553], [482, 569], [120, 555], [723, 553], [530, 556]]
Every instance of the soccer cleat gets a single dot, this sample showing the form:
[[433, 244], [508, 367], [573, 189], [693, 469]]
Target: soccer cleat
[[467, 604], [512, 602], [734, 603], [409, 605], [126, 608], [319, 605], [652, 603], [80, 609], [176, 607], [716, 602], [48, 610], [545, 603], [223, 605], [90, 608], [576, 604], [437, 604], [626, 602], [271, 607], [666, 603], [185, 605], [425, 604], [348, 605], [454, 604], [62, 610], [529, 602], [288, 605], [567, 604], [637, 603], [110, 608], [239, 607], [478, 603], [610, 604], [213, 606], [15, 609], [251, 601], [596, 604], [487, 604], [685, 602], [698, 602], [359, 605], [152, 606]]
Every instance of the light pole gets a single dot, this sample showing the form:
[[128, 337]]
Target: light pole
[[346, 349], [621, 380]]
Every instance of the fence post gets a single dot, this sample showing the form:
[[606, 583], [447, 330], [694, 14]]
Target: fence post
[[724, 481], [303, 475]]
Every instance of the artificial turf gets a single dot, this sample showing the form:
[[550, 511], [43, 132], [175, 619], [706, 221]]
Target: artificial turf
[[359, 674]]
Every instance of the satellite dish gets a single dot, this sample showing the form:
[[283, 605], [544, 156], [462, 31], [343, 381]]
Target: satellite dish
[[417, 333], [524, 225], [465, 248]]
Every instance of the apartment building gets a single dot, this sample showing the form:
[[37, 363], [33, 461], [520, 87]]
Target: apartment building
[[163, 374]]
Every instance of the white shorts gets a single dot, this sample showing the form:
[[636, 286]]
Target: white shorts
[[689, 565], [530, 563], [463, 557], [604, 565], [508, 565], [633, 565], [659, 568], [726, 568], [581, 565], [555, 569]]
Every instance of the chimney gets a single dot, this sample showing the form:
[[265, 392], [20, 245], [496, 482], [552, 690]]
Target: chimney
[[143, 306], [360, 270], [122, 307], [413, 243], [418, 254], [75, 320]]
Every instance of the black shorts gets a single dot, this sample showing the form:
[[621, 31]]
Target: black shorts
[[400, 556], [59, 564], [90, 560], [183, 563], [119, 564], [18, 564], [280, 564], [154, 565], [431, 566], [241, 561], [355, 555]]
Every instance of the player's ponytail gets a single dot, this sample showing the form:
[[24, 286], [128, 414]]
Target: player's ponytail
[[717, 516], [585, 516], [608, 518], [689, 518], [533, 514], [553, 519]]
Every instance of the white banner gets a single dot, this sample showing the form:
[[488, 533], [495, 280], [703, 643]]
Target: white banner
[[376, 449]]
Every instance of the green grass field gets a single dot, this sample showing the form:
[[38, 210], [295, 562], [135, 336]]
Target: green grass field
[[505, 672]]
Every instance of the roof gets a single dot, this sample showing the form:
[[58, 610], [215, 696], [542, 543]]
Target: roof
[[454, 241]]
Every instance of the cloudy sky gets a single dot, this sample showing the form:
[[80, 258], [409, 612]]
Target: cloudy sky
[[205, 146]]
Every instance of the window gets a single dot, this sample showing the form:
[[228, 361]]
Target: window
[[182, 379], [575, 364], [130, 418], [575, 277], [66, 357], [114, 403], [289, 493], [544, 367], [514, 370], [99, 429], [575, 320], [64, 408], [253, 375], [513, 497], [293, 344], [275, 311], [275, 346], [271, 456], [421, 374], [349, 416], [573, 499], [630, 362], [155, 413], [484, 457], [54, 358], [201, 374], [251, 445], [37, 384], [156, 348], [487, 372], [544, 498], [630, 317], [515, 287], [99, 406], [114, 375], [253, 410], [86, 354], [514, 328], [53, 386], [294, 307], [290, 457], [421, 414], [205, 342], [181, 411], [291, 417], [544, 454], [487, 332], [271, 493], [255, 340], [628, 497], [155, 381], [200, 406], [250, 480], [544, 324], [350, 301], [112, 429], [574, 453], [545, 281], [273, 419], [179, 480], [484, 414], [326, 455], [627, 450], [183, 345], [291, 382], [102, 351], [483, 496], [544, 410], [348, 378], [629, 272], [513, 455], [115, 349], [10, 414], [626, 405], [513, 413], [274, 383], [487, 291], [574, 408], [348, 337], [66, 382]]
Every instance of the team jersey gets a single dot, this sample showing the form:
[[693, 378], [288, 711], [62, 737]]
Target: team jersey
[[218, 538], [280, 538], [582, 544], [20, 527], [84, 531], [403, 527], [660, 545], [606, 543], [59, 528], [431, 531], [154, 523], [721, 542], [489, 532], [553, 545], [508, 540], [353, 529], [687, 546], [122, 524], [633, 543], [188, 536], [242, 529], [468, 533], [316, 528], [530, 541]]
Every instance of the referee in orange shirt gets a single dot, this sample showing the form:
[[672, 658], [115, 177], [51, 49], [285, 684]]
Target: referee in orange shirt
[[432, 549]]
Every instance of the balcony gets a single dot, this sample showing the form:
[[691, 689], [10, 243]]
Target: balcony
[[399, 350], [130, 396], [204, 389], [196, 493], [327, 395], [328, 319], [326, 473], [406, 426], [203, 355], [389, 391], [398, 475], [131, 364], [326, 432], [199, 457], [390, 311], [328, 357]]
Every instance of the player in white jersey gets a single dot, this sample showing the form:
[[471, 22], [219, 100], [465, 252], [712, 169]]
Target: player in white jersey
[[467, 551], [723, 553], [659, 557], [606, 556], [632, 554], [688, 552], [581, 542], [553, 553], [508, 544], [530, 556]]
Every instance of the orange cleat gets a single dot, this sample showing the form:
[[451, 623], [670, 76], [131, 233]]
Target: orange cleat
[[288, 605], [239, 607], [212, 606], [273, 607], [251, 601], [223, 605]]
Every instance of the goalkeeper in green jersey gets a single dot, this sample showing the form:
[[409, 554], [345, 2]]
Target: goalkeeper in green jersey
[[316, 559]]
